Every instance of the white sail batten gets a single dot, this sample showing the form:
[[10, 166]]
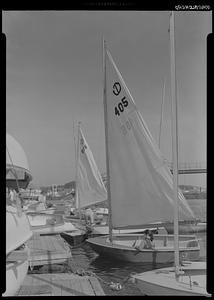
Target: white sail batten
[[91, 189], [141, 182]]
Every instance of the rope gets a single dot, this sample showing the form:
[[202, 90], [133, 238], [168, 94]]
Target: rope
[[116, 286], [113, 285]]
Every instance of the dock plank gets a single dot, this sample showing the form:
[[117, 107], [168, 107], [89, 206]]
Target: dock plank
[[32, 290], [56, 290], [67, 288], [47, 250], [86, 287], [59, 284], [77, 285], [96, 286]]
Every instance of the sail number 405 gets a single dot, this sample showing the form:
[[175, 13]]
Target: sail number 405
[[120, 106]]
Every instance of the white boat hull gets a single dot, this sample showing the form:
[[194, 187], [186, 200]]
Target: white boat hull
[[54, 229], [38, 219], [162, 282], [122, 248], [15, 274], [18, 229]]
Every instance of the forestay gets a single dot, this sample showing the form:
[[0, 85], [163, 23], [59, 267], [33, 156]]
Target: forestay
[[141, 184], [91, 188]]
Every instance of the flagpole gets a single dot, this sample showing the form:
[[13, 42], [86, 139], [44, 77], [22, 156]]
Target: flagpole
[[106, 141], [162, 106], [174, 141]]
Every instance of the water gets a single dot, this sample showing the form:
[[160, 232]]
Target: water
[[199, 207], [110, 270]]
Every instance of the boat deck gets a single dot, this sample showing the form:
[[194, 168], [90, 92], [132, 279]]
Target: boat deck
[[60, 284], [191, 282], [47, 250]]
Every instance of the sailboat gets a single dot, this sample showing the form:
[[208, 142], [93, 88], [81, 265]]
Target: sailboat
[[140, 185], [187, 278], [90, 188], [18, 230]]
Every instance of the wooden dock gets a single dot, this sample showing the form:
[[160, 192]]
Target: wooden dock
[[60, 284], [45, 250], [50, 250]]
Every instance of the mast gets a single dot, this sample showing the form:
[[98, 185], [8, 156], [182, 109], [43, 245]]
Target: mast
[[77, 202], [174, 141], [75, 159], [106, 141], [162, 106]]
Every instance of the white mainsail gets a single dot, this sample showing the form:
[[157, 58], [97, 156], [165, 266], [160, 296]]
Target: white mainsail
[[141, 184], [91, 189]]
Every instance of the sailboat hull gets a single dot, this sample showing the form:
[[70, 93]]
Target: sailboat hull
[[123, 248], [162, 282]]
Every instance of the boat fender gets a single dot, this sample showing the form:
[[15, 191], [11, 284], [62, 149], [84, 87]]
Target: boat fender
[[115, 286]]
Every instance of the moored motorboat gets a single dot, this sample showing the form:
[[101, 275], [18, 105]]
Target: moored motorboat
[[18, 230], [49, 225]]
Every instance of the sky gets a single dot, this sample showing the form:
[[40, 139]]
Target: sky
[[54, 79]]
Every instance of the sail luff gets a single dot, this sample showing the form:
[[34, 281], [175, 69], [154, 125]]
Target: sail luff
[[106, 142], [174, 140]]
